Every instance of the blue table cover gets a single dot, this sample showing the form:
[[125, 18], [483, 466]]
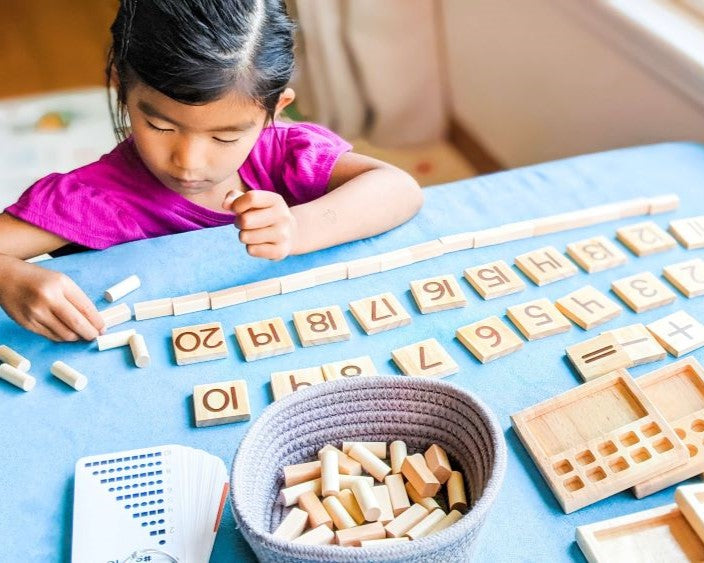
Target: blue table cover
[[43, 432]]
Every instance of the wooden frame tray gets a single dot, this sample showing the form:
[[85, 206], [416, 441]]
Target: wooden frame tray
[[677, 391], [598, 439], [658, 534]]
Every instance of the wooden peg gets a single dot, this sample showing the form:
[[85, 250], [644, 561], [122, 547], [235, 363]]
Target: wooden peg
[[504, 233], [116, 315], [538, 319], [489, 339], [301, 472], [329, 473], [340, 517], [447, 521], [426, 358], [293, 525], [17, 377], [377, 448], [346, 465], [428, 502], [191, 303], [227, 297], [422, 528], [397, 453], [406, 520], [322, 535], [69, 376], [438, 293], [663, 203], [439, 465], [397, 493], [379, 313], [494, 279], [115, 339], [416, 472], [119, 290], [11, 357], [153, 309], [381, 492], [370, 463], [456, 497], [355, 536], [289, 496], [199, 343], [346, 498], [367, 500], [263, 339], [140, 352], [317, 515]]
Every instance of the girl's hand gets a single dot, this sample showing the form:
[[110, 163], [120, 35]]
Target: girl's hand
[[47, 302], [267, 226]]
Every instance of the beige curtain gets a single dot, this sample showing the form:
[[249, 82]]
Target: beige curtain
[[372, 68]]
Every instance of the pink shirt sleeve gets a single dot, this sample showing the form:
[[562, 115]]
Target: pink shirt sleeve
[[295, 160]]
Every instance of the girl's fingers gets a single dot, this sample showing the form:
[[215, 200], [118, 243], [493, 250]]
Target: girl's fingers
[[271, 234], [91, 321], [257, 218], [74, 321], [58, 329], [267, 250], [256, 199], [230, 199]]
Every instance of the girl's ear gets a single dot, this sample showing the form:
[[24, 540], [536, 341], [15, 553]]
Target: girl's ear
[[285, 99]]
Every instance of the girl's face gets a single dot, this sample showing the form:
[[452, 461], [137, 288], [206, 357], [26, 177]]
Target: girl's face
[[193, 149]]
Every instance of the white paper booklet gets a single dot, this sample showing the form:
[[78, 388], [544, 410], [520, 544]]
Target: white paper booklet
[[154, 504]]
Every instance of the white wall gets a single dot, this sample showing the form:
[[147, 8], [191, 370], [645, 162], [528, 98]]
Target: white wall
[[532, 82]]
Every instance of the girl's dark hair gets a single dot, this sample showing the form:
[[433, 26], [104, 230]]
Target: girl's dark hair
[[194, 51]]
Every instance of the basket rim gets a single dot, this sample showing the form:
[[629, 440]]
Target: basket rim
[[471, 520]]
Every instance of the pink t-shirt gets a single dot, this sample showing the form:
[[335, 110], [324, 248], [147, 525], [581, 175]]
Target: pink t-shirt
[[117, 199]]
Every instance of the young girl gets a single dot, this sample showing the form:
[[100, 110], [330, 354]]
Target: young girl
[[201, 82]]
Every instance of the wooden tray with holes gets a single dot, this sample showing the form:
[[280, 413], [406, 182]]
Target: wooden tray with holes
[[677, 391], [690, 499], [598, 439], [659, 534]]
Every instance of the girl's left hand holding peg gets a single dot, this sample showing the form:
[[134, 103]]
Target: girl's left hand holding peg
[[267, 226]]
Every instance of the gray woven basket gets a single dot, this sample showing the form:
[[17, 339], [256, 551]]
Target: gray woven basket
[[419, 411]]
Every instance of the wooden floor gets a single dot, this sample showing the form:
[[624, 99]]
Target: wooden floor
[[48, 45]]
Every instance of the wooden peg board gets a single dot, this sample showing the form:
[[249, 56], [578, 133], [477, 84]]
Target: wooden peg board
[[643, 292], [597, 356], [597, 439], [379, 313], [538, 319], [426, 358], [286, 382], [489, 339], [596, 254], [679, 333], [588, 307], [645, 238], [321, 326], [438, 294], [677, 390], [658, 534], [221, 403], [354, 367], [198, 343], [687, 277], [263, 339], [545, 265], [639, 343], [494, 279], [689, 232]]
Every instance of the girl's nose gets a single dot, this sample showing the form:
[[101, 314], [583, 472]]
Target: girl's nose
[[189, 155]]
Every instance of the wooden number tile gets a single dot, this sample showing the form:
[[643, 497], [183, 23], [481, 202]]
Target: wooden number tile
[[199, 343], [438, 294], [597, 439], [679, 333], [320, 326], [545, 265], [638, 343], [596, 254], [489, 339], [588, 307], [379, 313], [426, 358], [643, 292], [494, 279], [286, 382], [690, 500], [645, 238], [598, 356], [221, 403], [687, 277], [656, 534], [677, 390], [689, 232], [354, 367], [263, 339], [538, 319]]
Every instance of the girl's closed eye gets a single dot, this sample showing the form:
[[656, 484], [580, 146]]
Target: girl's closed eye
[[225, 141], [160, 129]]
